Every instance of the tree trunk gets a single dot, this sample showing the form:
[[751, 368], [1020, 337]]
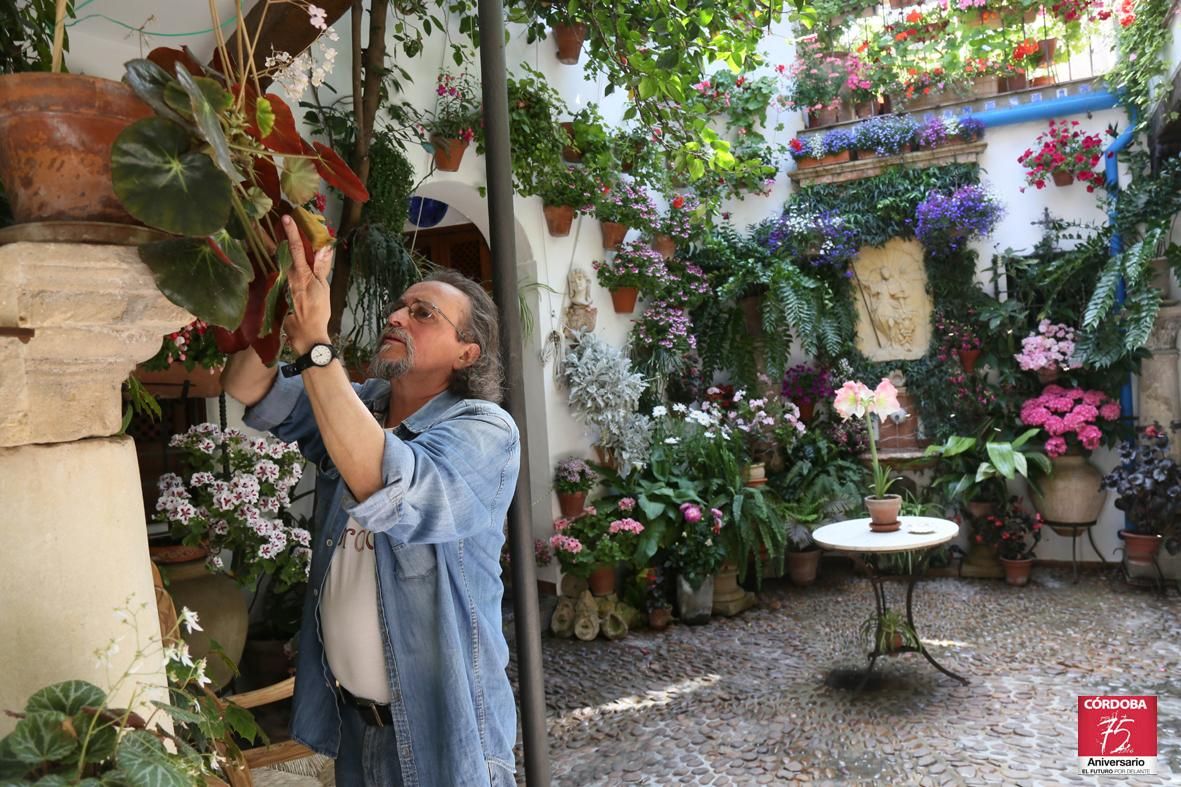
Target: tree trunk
[[366, 95]]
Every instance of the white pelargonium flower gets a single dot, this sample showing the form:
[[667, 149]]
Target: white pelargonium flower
[[188, 619]]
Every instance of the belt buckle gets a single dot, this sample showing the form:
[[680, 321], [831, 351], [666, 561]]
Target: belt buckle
[[372, 708]]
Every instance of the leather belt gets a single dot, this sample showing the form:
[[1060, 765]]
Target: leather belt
[[372, 713]]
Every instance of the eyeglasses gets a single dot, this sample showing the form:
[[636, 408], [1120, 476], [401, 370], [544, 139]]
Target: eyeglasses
[[423, 312]]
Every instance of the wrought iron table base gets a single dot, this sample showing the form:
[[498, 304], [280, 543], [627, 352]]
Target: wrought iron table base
[[879, 592]]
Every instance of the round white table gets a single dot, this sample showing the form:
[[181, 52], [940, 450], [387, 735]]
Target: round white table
[[917, 536]]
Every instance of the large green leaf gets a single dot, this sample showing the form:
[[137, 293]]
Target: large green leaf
[[53, 780], [42, 736], [207, 98], [207, 276], [1001, 455], [148, 81], [10, 766], [164, 185], [146, 763], [68, 697]]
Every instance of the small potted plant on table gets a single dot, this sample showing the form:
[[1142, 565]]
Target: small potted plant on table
[[855, 399]]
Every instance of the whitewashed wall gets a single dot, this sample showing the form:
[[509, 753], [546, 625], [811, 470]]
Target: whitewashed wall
[[99, 48]]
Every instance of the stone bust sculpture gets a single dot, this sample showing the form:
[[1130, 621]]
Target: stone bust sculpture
[[578, 284], [580, 314]]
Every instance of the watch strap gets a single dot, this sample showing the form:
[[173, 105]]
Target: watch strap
[[305, 361]]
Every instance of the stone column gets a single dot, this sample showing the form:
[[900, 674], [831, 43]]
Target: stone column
[[74, 321], [1160, 391]]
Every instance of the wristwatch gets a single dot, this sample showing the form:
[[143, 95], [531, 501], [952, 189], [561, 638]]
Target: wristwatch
[[319, 355]]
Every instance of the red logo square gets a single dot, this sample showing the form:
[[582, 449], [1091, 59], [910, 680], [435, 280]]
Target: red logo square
[[1122, 726]]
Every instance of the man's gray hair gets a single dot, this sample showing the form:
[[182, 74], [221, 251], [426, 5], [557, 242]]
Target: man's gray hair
[[485, 378]]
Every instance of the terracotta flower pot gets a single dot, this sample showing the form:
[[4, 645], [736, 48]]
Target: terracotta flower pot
[[659, 618], [823, 117], [807, 410], [570, 153], [624, 299], [665, 246], [1047, 47], [177, 382], [613, 233], [755, 474], [1140, 549], [1043, 81], [1062, 179], [1017, 571], [968, 359], [571, 503], [831, 158], [979, 509], [602, 581], [883, 513], [56, 133], [1014, 82], [569, 39], [558, 219], [1047, 375], [448, 153], [986, 86], [802, 567]]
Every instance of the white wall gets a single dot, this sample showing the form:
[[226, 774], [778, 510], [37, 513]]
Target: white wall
[[553, 432]]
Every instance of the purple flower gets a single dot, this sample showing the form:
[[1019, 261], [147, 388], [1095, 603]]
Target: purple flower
[[947, 221]]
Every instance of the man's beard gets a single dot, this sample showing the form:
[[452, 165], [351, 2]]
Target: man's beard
[[387, 369]]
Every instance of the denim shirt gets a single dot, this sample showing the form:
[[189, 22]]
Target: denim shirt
[[450, 470]]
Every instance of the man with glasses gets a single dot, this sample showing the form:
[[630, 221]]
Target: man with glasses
[[401, 666]]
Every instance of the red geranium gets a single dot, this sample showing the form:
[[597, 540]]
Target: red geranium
[[1065, 148]]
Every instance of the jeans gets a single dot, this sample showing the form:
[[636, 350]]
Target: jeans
[[369, 756]]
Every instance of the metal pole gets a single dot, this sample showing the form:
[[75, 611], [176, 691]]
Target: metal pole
[[526, 615]]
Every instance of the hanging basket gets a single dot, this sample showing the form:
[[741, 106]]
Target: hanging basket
[[569, 39], [558, 219], [1063, 179], [665, 246], [448, 153]]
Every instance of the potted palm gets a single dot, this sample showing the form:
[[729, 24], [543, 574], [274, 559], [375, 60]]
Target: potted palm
[[855, 399], [1147, 484], [573, 478]]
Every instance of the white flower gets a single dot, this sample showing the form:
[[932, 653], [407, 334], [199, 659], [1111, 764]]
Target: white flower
[[671, 441], [103, 656], [659, 411], [317, 17], [199, 675], [188, 618], [709, 434], [679, 408]]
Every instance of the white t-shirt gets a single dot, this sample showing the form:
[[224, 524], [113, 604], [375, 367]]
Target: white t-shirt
[[349, 618]]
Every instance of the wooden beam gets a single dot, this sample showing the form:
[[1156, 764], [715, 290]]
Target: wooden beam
[[285, 28]]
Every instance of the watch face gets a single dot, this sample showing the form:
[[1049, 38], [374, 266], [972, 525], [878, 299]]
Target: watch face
[[321, 355]]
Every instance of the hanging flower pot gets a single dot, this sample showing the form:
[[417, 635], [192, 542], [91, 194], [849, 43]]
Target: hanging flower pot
[[602, 581], [1047, 47], [1043, 81], [624, 299], [1072, 495], [1062, 179], [558, 219], [1140, 549], [448, 153], [613, 233], [665, 246], [569, 39], [807, 410], [571, 503], [1017, 571], [863, 109], [570, 153], [1014, 82], [883, 513], [968, 359]]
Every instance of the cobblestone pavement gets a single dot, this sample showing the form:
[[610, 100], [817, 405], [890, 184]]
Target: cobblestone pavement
[[744, 700]]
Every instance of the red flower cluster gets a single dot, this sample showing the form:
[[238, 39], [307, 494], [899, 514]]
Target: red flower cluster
[[1063, 148], [1025, 49]]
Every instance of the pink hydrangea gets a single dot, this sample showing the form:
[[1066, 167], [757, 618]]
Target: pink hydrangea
[[563, 543], [627, 525], [1055, 446], [1063, 412], [1109, 411], [691, 513]]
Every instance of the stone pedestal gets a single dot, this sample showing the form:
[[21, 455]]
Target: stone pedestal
[[74, 321], [729, 597], [1160, 391]]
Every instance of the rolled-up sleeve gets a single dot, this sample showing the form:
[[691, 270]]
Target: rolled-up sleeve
[[443, 485]]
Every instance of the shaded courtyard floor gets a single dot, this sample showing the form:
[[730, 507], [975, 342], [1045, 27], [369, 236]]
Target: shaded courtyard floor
[[744, 701]]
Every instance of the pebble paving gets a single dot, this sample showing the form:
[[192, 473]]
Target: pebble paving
[[744, 701]]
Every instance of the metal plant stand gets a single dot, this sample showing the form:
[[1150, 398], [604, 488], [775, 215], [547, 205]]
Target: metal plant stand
[[1076, 529]]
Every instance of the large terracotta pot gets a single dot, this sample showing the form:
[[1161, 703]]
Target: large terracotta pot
[[1071, 494], [56, 132], [448, 153], [883, 513], [569, 39], [571, 503], [1140, 549], [602, 581], [802, 567], [558, 219], [221, 608], [1017, 571]]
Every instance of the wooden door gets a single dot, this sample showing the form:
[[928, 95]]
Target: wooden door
[[460, 247]]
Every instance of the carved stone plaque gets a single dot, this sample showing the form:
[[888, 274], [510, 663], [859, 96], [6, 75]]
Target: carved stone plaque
[[893, 307]]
